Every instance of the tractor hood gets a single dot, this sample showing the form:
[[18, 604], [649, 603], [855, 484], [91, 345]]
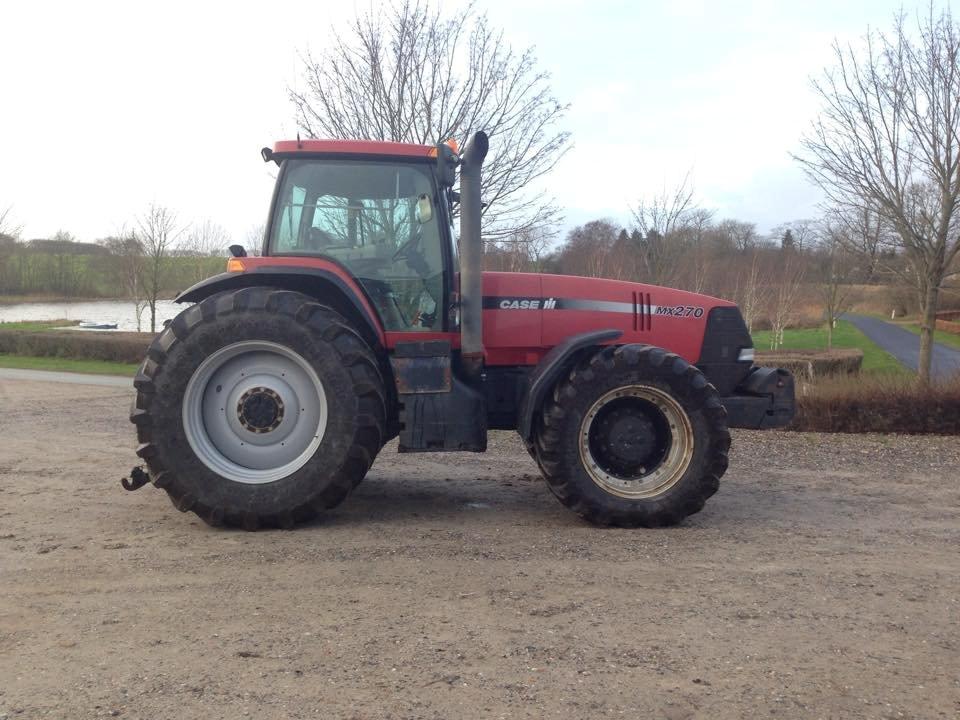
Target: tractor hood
[[534, 312]]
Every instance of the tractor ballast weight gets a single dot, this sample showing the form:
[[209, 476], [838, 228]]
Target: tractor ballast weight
[[267, 400]]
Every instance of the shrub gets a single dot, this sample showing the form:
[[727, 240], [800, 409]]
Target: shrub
[[810, 364], [115, 347], [881, 403], [949, 326]]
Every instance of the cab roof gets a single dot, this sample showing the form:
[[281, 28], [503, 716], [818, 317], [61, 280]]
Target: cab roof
[[291, 148]]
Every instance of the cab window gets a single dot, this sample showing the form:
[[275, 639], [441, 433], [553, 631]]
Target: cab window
[[380, 220]]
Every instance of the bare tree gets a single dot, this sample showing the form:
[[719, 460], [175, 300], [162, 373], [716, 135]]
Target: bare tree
[[7, 227], [523, 252], [157, 234], [888, 142], [837, 267], [751, 293], [587, 249], [254, 240], [129, 269], [698, 260], [666, 212], [864, 233], [411, 72], [204, 240], [804, 232], [742, 235], [663, 221], [783, 295]]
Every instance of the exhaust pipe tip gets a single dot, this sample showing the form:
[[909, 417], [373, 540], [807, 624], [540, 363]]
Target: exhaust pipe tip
[[476, 148]]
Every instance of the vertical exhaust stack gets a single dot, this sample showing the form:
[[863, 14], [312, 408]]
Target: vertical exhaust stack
[[471, 255]]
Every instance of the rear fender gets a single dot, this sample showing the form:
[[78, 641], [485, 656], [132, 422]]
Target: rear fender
[[342, 294], [551, 368]]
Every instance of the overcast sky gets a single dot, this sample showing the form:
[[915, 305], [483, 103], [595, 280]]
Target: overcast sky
[[107, 107]]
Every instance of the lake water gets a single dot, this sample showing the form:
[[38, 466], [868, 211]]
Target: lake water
[[99, 311]]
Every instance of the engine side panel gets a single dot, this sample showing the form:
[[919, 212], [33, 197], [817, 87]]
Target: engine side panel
[[525, 314], [671, 319], [512, 318]]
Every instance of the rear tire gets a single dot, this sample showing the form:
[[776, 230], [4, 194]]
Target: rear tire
[[634, 437], [258, 408]]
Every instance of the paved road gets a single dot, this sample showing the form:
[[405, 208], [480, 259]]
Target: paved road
[[12, 374], [905, 346]]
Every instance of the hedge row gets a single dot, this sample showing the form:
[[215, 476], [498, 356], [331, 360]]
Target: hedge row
[[948, 326], [810, 364], [881, 404], [115, 347]]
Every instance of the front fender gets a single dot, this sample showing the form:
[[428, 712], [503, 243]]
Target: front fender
[[550, 369]]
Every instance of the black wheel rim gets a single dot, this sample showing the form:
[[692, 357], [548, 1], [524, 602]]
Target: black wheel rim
[[636, 441]]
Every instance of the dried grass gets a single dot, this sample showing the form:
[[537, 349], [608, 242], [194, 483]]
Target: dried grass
[[878, 403]]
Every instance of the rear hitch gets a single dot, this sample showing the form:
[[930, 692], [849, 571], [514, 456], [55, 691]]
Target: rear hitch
[[138, 478]]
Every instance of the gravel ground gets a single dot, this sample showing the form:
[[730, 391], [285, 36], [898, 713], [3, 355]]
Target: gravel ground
[[822, 581]]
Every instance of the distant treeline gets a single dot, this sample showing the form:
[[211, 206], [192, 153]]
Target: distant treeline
[[70, 269]]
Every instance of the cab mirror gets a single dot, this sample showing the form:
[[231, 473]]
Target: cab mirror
[[424, 209], [447, 162]]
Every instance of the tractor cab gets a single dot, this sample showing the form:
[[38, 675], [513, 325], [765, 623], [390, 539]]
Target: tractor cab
[[384, 220]]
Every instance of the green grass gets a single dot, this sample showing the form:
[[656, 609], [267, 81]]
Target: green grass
[[37, 325], [875, 359], [92, 367], [944, 338]]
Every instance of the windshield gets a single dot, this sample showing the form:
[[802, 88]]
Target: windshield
[[381, 220]]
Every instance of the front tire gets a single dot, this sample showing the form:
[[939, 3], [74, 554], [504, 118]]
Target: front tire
[[258, 408], [634, 437]]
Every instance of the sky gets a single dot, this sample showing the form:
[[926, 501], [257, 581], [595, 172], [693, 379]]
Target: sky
[[108, 107]]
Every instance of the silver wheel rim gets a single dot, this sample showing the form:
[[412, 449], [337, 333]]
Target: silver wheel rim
[[669, 469], [254, 412]]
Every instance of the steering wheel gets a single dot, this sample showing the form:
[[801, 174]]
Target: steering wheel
[[318, 239]]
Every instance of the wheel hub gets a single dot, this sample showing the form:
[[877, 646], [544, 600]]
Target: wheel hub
[[630, 435], [260, 410], [254, 411]]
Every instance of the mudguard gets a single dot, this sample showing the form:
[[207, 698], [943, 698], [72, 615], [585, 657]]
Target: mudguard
[[326, 286], [549, 370]]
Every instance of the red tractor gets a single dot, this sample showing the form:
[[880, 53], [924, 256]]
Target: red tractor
[[268, 398]]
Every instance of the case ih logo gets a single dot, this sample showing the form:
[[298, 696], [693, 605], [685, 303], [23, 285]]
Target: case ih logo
[[527, 304]]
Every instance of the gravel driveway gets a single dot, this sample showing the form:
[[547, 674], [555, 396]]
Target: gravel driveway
[[822, 581]]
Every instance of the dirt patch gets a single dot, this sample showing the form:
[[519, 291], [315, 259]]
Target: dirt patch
[[822, 581]]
